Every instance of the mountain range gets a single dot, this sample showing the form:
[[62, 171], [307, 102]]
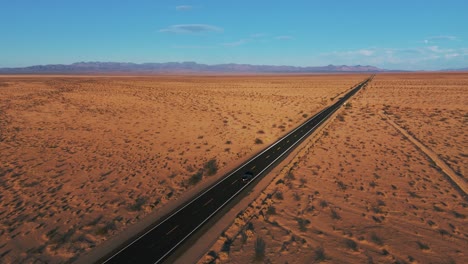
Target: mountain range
[[178, 67]]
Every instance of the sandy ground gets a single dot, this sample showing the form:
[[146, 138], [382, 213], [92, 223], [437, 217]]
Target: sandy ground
[[84, 158], [364, 192]]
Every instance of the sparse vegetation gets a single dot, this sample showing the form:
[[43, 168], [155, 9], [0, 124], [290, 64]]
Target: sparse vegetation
[[271, 210], [195, 178], [258, 141], [279, 195], [104, 230], [260, 247], [340, 117], [351, 244], [376, 239], [303, 223], [323, 203], [211, 167], [320, 254], [296, 196], [227, 245], [139, 202], [153, 155], [334, 214], [422, 245]]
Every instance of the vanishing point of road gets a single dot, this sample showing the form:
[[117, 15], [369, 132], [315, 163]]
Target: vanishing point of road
[[160, 241]]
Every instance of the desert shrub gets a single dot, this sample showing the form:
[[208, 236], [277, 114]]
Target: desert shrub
[[303, 223], [340, 117], [458, 215], [323, 203], [376, 239], [261, 132], [377, 209], [271, 210], [320, 254], [104, 230], [422, 245], [95, 221], [213, 254], [279, 195], [351, 244], [227, 245], [414, 195], [443, 232], [260, 247], [229, 142], [211, 167], [303, 181], [195, 178], [244, 237], [305, 115], [258, 141], [139, 202], [342, 185], [61, 238], [380, 203], [297, 197], [290, 176], [335, 215]]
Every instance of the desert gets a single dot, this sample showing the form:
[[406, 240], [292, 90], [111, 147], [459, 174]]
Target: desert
[[85, 157], [383, 182], [240, 131]]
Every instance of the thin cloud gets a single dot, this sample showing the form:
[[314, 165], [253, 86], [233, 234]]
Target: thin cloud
[[258, 35], [284, 37], [235, 43], [192, 47], [439, 38], [427, 58], [184, 7], [191, 29]]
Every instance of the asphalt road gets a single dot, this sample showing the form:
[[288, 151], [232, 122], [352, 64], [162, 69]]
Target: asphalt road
[[160, 241]]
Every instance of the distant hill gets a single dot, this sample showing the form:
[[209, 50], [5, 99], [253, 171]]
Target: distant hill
[[178, 67], [460, 69]]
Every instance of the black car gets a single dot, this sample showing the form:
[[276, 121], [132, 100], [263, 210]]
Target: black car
[[247, 176]]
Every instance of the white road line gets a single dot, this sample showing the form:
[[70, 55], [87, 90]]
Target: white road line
[[223, 179], [219, 208], [209, 201], [172, 230]]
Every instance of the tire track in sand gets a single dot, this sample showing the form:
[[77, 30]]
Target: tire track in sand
[[457, 180]]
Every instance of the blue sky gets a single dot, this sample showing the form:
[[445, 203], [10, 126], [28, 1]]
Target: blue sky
[[409, 35]]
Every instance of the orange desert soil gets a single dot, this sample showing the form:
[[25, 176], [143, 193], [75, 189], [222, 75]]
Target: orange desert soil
[[362, 191], [84, 158]]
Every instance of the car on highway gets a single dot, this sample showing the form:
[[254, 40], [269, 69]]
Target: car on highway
[[247, 176]]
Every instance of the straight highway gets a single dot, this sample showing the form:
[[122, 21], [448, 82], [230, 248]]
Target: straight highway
[[160, 241]]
